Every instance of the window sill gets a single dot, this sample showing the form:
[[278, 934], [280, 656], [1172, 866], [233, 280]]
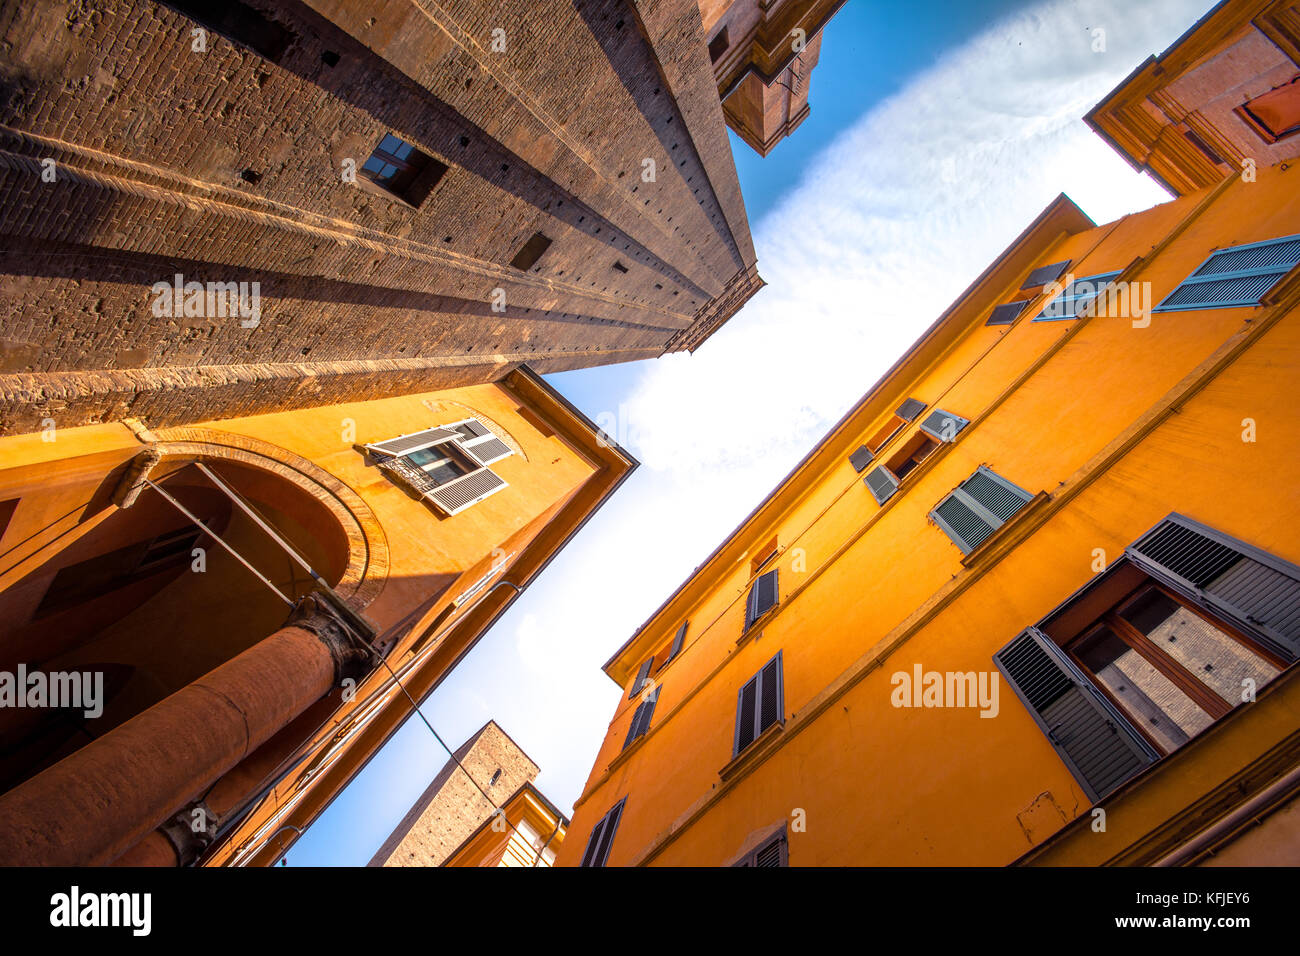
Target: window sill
[[626, 753], [755, 753], [755, 629], [1002, 540]]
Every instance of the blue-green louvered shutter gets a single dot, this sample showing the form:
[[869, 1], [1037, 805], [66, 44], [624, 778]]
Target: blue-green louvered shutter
[[1098, 745], [1259, 591], [1237, 276]]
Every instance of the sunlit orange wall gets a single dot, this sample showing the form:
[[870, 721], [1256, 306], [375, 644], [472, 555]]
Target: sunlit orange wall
[[885, 785]]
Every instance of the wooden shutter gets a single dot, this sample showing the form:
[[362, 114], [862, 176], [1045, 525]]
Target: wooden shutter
[[414, 442], [746, 710], [1006, 313], [882, 484], [457, 495], [977, 507], [1097, 743], [641, 719], [641, 675], [861, 458], [677, 642], [774, 852], [937, 425], [1258, 591], [910, 409], [1237, 276], [602, 836], [1045, 274], [760, 703], [763, 596]]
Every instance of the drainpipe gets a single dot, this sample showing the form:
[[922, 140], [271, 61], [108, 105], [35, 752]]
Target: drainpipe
[[1256, 805], [90, 807]]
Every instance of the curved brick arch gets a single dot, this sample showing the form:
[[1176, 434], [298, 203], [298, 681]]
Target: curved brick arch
[[367, 567]]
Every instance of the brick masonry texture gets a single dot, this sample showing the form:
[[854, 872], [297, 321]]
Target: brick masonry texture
[[226, 166], [452, 807]]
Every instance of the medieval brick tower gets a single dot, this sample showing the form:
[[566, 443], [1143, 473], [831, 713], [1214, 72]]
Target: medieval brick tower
[[214, 209]]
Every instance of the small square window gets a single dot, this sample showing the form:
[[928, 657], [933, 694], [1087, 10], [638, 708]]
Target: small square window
[[399, 168]]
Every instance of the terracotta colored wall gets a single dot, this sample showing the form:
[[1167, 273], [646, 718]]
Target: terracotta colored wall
[[944, 786]]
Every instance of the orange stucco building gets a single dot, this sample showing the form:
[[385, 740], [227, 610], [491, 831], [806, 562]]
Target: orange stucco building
[[1035, 599], [265, 598]]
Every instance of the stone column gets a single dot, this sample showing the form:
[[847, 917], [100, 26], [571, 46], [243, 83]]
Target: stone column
[[96, 803]]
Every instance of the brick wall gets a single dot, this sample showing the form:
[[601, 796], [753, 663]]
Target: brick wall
[[225, 166], [452, 808]]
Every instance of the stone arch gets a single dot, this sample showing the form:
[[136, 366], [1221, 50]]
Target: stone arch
[[368, 559]]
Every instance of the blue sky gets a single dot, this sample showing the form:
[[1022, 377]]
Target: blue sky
[[938, 131]]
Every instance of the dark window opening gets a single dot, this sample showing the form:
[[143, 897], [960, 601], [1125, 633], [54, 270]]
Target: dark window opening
[[240, 23], [532, 250], [1204, 147], [251, 176], [718, 45], [399, 168], [330, 58], [911, 455], [620, 267]]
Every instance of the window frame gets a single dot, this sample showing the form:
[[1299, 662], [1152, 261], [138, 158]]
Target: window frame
[[1201, 694], [757, 680]]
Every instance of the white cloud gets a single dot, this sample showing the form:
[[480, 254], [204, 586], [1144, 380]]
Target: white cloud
[[888, 227], [890, 224]]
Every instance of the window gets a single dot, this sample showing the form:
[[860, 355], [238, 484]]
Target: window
[[641, 719], [772, 852], [764, 555], [446, 466], [642, 677], [1237, 276], [1045, 274], [401, 169], [1075, 298], [944, 426], [1007, 312], [239, 22], [1205, 148], [495, 777], [602, 836], [763, 596], [911, 454], [678, 640], [760, 704], [1156, 650], [905, 413], [718, 45], [977, 507], [531, 251], [1276, 114]]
